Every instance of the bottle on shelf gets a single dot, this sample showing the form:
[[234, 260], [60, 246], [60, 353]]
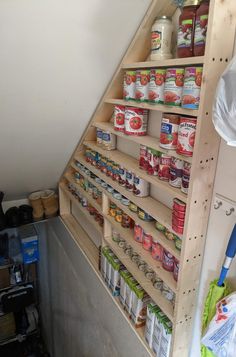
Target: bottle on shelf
[[162, 30], [185, 41], [201, 28]]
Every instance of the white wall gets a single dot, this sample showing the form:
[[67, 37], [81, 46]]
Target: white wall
[[56, 59]]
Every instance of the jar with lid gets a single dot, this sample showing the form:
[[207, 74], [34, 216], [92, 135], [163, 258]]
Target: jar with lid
[[162, 30], [201, 28], [185, 42]]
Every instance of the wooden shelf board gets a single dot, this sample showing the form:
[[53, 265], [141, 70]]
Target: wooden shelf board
[[175, 62], [127, 234], [159, 107], [90, 199], [147, 226], [156, 209], [155, 294], [84, 212], [133, 165], [146, 140], [81, 238]]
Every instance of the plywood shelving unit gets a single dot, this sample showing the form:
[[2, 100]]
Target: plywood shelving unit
[[221, 26]]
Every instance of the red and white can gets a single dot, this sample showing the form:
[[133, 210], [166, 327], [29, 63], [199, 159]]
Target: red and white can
[[176, 171], [178, 229], [164, 167], [138, 233], [178, 205], [176, 221], [142, 85], [167, 261], [169, 131], [156, 86], [129, 85], [185, 177], [173, 86], [143, 160], [122, 176], [136, 121], [186, 136], [176, 269], [129, 181], [119, 117], [147, 242], [140, 187], [153, 162], [157, 250]]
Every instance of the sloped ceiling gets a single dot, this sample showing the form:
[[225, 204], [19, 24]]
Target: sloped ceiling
[[56, 59]]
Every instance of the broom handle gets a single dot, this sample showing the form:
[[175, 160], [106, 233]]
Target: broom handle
[[229, 255]]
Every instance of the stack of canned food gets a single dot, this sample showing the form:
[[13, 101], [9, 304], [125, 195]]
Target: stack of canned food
[[143, 266], [165, 167], [178, 216], [171, 86], [88, 187], [84, 203]]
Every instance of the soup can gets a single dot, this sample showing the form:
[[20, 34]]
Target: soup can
[[168, 261], [142, 85], [169, 131], [143, 161], [153, 162], [178, 205], [99, 136], [176, 171], [186, 136], [140, 187], [157, 250], [192, 87], [108, 140], [164, 167], [129, 85], [122, 176], [119, 118], [129, 180], [156, 86], [136, 121], [138, 233], [176, 269], [147, 241], [185, 177], [173, 86]]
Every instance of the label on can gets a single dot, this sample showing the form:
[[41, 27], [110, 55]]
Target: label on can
[[156, 40], [157, 251], [173, 86], [129, 85], [147, 242], [169, 132], [185, 177], [129, 182], [108, 140], [136, 120], [186, 136], [168, 261], [176, 171], [99, 136], [119, 118], [138, 233], [122, 176], [164, 167], [140, 187], [143, 157], [156, 86], [176, 269], [153, 162], [192, 87], [141, 85]]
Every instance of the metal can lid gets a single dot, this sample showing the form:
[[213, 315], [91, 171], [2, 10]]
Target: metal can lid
[[191, 2], [163, 17]]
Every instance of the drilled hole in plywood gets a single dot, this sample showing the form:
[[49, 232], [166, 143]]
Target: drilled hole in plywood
[[201, 162], [199, 255], [207, 160], [201, 235], [226, 60], [190, 238], [213, 59], [207, 113], [195, 237], [187, 260], [195, 202], [221, 59]]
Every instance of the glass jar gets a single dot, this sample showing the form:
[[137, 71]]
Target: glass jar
[[187, 19], [162, 30], [201, 28]]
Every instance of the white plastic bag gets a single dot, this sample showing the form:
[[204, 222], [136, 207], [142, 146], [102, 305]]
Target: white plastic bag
[[220, 337], [224, 107]]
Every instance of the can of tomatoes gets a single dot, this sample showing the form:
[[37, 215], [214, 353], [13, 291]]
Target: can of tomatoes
[[173, 86], [192, 87], [119, 118], [147, 242], [153, 162], [141, 85], [143, 161], [176, 172], [169, 131], [164, 167], [185, 177], [129, 180], [136, 121], [138, 233], [178, 205], [129, 85], [157, 250], [140, 187], [156, 86], [186, 136]]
